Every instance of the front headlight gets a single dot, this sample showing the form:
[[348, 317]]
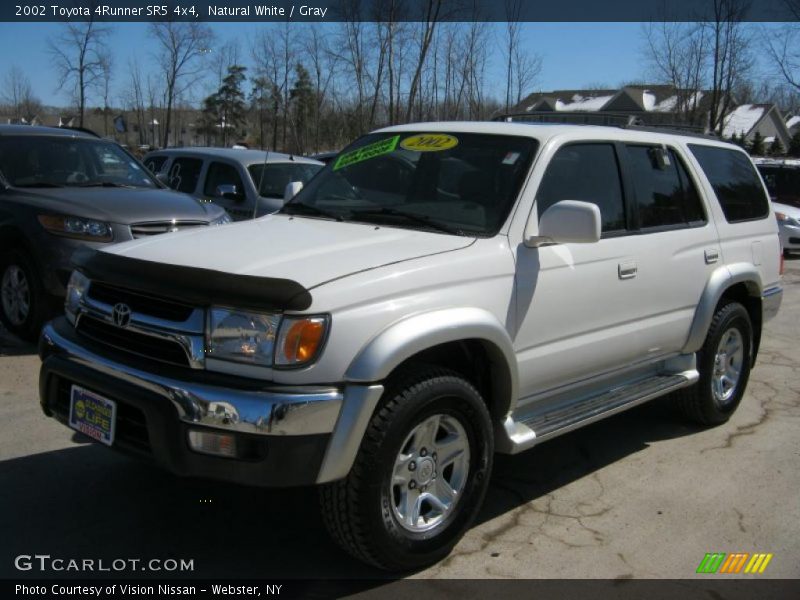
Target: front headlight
[[76, 288], [264, 339], [77, 227], [223, 219]]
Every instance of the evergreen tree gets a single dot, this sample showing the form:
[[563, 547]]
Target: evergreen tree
[[226, 109], [776, 148], [794, 146], [757, 145], [302, 99]]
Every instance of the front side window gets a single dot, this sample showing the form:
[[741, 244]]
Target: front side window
[[64, 161], [665, 195], [458, 183], [736, 183], [271, 179], [222, 174], [587, 172]]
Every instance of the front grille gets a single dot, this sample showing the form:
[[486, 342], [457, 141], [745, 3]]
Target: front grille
[[140, 303], [794, 240], [139, 230], [130, 429], [132, 342]]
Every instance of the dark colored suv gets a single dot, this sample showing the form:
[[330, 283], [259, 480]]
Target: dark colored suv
[[61, 189]]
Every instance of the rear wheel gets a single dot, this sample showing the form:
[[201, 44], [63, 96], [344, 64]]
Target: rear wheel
[[420, 475], [724, 365], [23, 303]]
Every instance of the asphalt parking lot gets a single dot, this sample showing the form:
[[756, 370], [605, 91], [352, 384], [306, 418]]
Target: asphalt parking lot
[[639, 495]]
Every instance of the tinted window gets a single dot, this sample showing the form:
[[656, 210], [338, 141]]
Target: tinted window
[[154, 163], [587, 172], [664, 193], [184, 173], [62, 161], [274, 177], [452, 182], [735, 182], [222, 174]]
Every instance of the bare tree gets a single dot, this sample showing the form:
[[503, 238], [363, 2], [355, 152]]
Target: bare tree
[[104, 87], [433, 12], [182, 46], [19, 97], [783, 47], [323, 70], [78, 55]]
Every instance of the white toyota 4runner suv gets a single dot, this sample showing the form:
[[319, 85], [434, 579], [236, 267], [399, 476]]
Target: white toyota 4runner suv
[[438, 293]]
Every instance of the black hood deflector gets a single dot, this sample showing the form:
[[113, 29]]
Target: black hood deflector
[[192, 285]]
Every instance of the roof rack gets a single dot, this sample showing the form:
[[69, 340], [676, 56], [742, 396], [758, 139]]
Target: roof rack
[[81, 129], [621, 120]]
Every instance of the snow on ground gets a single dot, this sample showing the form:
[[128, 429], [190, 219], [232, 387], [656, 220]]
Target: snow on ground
[[742, 119]]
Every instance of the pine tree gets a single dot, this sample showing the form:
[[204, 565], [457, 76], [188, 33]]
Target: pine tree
[[757, 145], [776, 148], [302, 99], [794, 146], [226, 109]]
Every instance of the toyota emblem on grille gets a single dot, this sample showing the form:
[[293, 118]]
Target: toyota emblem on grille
[[121, 314]]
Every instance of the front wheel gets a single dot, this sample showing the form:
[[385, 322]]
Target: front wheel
[[724, 365], [420, 475], [23, 303]]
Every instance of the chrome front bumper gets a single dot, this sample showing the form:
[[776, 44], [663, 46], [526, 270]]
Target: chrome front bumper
[[271, 411]]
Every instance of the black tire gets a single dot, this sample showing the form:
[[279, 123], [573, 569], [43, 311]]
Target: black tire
[[358, 510], [39, 305], [699, 402]]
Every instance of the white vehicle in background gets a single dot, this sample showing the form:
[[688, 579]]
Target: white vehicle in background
[[246, 183], [438, 293], [788, 226]]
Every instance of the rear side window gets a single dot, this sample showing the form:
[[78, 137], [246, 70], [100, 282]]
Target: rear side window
[[154, 163], [735, 182], [665, 195], [184, 173], [587, 172]]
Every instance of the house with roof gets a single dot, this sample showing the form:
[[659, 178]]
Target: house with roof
[[652, 105]]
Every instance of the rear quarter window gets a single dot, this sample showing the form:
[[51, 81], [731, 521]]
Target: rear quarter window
[[735, 181]]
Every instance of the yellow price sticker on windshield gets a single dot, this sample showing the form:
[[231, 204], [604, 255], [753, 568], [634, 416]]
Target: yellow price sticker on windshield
[[429, 142]]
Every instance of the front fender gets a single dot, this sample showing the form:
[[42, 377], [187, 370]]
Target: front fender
[[414, 334]]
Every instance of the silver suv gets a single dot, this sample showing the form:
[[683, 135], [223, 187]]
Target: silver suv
[[438, 293]]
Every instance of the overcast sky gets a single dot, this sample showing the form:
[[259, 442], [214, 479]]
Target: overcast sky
[[574, 55]]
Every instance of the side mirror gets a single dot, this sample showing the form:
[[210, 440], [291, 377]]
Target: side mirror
[[292, 190], [228, 191], [568, 221]]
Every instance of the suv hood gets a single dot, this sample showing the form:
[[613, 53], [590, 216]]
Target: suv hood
[[122, 205], [306, 250]]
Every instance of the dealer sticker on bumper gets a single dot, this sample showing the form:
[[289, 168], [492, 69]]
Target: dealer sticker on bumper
[[92, 414]]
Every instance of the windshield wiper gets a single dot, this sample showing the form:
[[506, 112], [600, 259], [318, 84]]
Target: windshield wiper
[[415, 218], [290, 208], [109, 184], [39, 184]]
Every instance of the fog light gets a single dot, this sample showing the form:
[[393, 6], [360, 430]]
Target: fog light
[[217, 444]]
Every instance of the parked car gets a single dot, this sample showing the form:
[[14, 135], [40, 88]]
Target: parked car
[[782, 177], [325, 157], [788, 226], [246, 183], [62, 189], [498, 285]]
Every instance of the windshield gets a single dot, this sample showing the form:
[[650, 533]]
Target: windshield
[[55, 161], [458, 183], [274, 177]]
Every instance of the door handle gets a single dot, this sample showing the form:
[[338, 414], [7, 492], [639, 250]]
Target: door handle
[[627, 270], [712, 255]]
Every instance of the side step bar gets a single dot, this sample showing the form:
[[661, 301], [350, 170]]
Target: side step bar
[[541, 426]]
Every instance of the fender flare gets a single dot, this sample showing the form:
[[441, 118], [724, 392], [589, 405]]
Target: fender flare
[[405, 338], [720, 280]]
